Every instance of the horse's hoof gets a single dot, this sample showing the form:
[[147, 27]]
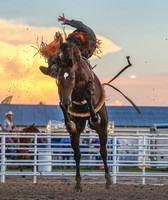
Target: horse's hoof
[[107, 186], [78, 188], [108, 183], [71, 127], [96, 120]]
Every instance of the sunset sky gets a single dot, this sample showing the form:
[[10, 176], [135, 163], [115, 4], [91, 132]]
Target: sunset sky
[[134, 28]]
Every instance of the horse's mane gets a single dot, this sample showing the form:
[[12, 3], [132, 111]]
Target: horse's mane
[[53, 48]]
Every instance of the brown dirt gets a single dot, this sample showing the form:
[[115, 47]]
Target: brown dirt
[[63, 189]]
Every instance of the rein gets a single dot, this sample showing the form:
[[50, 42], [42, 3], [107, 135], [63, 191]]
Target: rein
[[108, 84]]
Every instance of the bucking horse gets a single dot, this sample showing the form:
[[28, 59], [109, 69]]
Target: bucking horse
[[82, 98]]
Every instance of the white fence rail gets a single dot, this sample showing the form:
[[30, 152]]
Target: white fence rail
[[136, 155]]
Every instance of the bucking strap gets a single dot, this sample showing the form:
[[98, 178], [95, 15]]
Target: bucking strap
[[87, 114]]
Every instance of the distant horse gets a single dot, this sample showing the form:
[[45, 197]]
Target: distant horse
[[82, 97], [23, 149]]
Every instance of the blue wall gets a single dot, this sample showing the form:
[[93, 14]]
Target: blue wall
[[121, 115]]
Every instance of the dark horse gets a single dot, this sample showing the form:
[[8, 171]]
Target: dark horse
[[24, 143], [82, 97]]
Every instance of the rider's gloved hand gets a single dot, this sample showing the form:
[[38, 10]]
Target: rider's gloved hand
[[62, 19]]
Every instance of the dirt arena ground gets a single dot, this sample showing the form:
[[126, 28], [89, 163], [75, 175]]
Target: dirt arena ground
[[62, 188]]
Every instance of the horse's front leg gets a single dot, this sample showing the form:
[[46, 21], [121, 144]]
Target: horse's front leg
[[90, 90], [70, 125], [77, 156]]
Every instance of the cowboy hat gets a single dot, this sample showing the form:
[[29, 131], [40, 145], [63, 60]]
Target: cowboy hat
[[9, 113]]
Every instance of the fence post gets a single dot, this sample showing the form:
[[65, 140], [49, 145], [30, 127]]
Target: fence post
[[114, 160], [143, 160], [35, 159], [3, 166]]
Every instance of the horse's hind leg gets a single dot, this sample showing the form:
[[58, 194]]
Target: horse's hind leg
[[103, 153], [101, 129], [21, 166]]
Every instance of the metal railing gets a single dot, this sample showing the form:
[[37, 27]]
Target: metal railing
[[133, 155]]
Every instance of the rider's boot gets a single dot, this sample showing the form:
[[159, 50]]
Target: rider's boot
[[50, 71], [44, 70]]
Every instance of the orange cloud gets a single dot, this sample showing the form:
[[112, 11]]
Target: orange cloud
[[19, 69]]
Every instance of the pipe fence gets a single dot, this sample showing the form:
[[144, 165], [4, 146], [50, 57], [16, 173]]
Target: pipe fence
[[131, 155]]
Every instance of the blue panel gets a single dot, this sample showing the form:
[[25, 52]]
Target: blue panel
[[121, 115]]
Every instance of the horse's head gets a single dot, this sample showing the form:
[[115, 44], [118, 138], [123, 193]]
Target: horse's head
[[73, 74], [66, 84], [66, 73]]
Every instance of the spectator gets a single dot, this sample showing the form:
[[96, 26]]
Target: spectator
[[7, 126]]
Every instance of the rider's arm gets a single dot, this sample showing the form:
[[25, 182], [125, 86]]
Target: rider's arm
[[78, 25]]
